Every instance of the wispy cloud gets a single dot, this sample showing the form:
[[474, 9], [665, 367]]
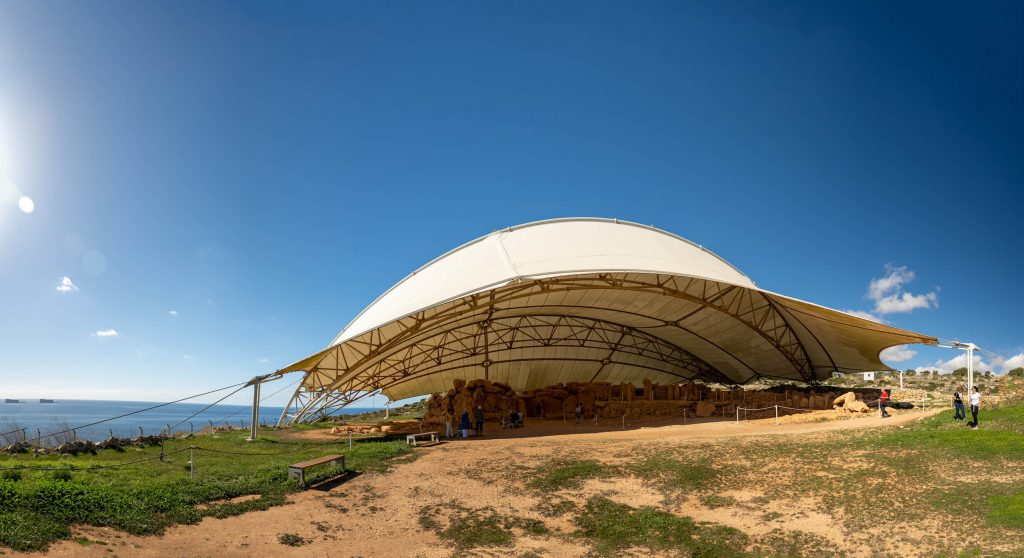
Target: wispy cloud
[[186, 357], [998, 364], [865, 315], [105, 333], [899, 353], [64, 285], [890, 296], [172, 312], [264, 360], [905, 302]]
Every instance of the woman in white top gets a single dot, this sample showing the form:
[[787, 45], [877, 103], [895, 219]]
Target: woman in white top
[[975, 401]]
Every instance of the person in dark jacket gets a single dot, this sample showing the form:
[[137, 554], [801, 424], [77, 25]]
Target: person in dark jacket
[[464, 425], [479, 420], [958, 404]]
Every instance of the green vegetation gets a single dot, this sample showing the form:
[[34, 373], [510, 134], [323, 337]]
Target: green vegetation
[[291, 539], [612, 527], [673, 473], [1007, 510], [564, 474], [40, 496], [469, 528]]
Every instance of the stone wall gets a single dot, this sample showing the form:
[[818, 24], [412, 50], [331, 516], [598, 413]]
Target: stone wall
[[603, 399]]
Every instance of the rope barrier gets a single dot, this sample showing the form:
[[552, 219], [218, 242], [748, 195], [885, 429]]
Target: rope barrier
[[179, 423], [286, 386], [65, 431]]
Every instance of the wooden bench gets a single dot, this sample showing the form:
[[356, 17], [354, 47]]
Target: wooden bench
[[411, 438], [299, 469]]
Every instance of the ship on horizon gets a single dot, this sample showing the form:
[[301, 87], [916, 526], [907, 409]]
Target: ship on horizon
[[12, 400], [47, 401]]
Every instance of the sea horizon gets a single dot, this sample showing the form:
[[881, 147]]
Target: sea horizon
[[38, 419]]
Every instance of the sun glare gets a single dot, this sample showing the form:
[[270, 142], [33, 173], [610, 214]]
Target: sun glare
[[26, 205]]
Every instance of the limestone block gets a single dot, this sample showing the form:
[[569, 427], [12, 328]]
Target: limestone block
[[704, 409]]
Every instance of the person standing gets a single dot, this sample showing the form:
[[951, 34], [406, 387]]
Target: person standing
[[975, 403], [958, 404], [449, 423], [579, 413], [883, 401], [479, 420], [464, 424]]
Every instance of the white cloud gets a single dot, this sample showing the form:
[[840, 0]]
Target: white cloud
[[865, 315], [172, 312], [1016, 361], [64, 285], [891, 298], [105, 333], [899, 353], [959, 361], [264, 360], [894, 280], [905, 302], [186, 357]]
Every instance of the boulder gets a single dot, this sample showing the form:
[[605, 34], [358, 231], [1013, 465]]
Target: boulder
[[587, 398], [552, 407], [569, 406], [843, 399], [491, 401], [857, 407], [459, 384], [704, 409]]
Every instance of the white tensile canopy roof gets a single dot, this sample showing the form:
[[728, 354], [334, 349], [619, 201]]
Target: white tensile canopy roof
[[582, 300]]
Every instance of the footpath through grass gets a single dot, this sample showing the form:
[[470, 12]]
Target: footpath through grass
[[42, 496]]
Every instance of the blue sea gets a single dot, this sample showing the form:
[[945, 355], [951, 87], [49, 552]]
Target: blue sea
[[45, 418]]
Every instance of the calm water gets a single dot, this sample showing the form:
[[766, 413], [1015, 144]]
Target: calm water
[[67, 413]]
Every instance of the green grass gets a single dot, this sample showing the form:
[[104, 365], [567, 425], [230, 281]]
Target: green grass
[[1007, 510], [37, 507], [613, 527], [565, 474], [676, 474], [466, 528]]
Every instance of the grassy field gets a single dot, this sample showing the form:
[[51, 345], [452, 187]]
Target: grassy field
[[930, 488], [41, 496]]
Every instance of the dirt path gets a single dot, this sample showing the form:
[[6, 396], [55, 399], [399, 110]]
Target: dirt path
[[381, 514]]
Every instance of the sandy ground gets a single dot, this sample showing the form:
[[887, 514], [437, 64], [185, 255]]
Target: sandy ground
[[378, 514]]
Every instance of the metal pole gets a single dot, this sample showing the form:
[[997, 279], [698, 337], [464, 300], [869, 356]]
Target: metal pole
[[255, 411], [737, 415], [191, 463], [970, 369], [776, 415], [349, 440], [623, 421]]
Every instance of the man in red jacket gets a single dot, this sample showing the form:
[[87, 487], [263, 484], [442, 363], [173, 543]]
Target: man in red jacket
[[883, 400]]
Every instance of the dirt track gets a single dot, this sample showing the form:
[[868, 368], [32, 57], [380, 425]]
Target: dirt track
[[379, 514]]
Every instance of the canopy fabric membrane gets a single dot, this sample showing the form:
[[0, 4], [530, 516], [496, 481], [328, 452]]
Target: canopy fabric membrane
[[582, 300]]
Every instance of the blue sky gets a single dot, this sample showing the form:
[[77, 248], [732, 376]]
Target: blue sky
[[225, 185]]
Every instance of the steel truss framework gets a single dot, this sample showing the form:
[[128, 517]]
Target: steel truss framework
[[498, 326]]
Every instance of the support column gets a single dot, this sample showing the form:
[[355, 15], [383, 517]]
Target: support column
[[255, 411]]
